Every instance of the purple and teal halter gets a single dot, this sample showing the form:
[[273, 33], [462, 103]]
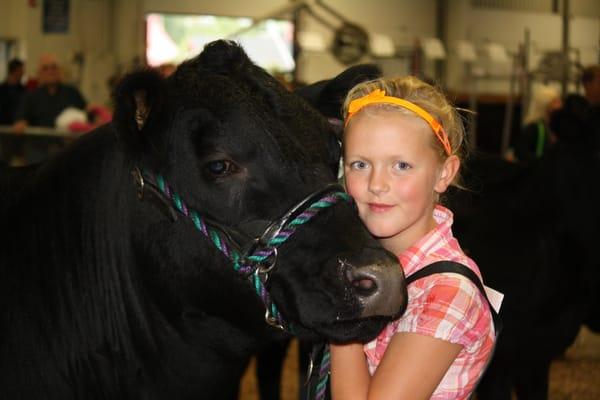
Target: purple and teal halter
[[260, 258]]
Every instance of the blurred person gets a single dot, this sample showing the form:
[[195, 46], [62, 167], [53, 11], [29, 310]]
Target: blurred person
[[569, 123], [11, 91], [590, 79], [536, 135], [41, 106]]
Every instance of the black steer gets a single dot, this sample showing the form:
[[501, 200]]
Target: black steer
[[106, 296], [533, 230]]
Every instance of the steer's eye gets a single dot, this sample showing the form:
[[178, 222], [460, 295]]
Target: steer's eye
[[220, 168]]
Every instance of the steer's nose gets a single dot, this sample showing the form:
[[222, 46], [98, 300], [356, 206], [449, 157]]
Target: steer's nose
[[379, 285]]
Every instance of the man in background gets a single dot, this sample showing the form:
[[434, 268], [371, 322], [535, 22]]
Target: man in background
[[41, 106], [590, 79], [11, 91]]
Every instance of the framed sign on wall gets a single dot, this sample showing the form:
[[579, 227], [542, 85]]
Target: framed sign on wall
[[55, 16]]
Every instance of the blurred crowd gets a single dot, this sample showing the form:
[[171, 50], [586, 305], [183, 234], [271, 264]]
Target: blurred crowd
[[44, 100]]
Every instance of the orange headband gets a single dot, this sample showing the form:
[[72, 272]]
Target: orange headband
[[378, 96]]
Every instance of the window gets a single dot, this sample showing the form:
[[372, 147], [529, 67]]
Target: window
[[172, 38]]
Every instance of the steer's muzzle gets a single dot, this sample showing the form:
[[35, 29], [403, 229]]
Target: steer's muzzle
[[378, 285]]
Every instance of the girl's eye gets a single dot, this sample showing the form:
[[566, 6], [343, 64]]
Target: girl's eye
[[220, 168], [401, 165], [358, 165]]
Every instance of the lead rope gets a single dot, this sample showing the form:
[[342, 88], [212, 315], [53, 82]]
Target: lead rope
[[317, 388], [324, 370], [261, 255]]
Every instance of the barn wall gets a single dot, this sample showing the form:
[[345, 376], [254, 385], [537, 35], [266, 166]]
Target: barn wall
[[402, 20], [109, 34], [507, 27], [89, 36]]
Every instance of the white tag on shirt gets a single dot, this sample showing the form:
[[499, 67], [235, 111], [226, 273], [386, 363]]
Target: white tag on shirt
[[495, 297]]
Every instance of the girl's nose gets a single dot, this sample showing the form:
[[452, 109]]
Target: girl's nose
[[378, 182]]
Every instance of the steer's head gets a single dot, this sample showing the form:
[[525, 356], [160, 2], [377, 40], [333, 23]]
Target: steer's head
[[243, 151]]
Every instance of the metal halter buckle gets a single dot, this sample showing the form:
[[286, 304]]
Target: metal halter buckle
[[263, 268], [139, 180], [271, 320]]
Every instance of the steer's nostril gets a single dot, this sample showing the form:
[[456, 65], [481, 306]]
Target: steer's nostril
[[363, 280], [364, 286], [374, 279]]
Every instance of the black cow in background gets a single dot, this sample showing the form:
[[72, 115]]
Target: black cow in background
[[106, 296], [532, 230]]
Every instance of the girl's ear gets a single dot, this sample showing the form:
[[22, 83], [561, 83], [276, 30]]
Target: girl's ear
[[447, 174]]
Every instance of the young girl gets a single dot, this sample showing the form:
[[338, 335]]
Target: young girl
[[402, 147]]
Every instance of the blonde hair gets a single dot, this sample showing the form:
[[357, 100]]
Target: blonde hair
[[426, 96], [538, 105]]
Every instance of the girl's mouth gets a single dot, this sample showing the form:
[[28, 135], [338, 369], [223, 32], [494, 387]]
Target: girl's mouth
[[379, 207]]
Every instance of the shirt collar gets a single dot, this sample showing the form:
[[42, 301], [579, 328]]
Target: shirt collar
[[412, 258]]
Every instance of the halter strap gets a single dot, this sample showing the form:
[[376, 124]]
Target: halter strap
[[256, 260]]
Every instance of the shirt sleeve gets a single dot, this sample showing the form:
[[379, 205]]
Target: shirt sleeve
[[450, 307]]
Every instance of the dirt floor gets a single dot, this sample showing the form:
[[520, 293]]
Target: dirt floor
[[575, 377]]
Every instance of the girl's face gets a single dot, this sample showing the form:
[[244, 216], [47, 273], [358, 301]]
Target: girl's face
[[394, 175]]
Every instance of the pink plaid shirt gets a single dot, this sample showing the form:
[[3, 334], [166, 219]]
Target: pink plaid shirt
[[446, 306]]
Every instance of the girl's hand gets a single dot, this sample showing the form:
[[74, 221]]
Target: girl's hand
[[350, 377]]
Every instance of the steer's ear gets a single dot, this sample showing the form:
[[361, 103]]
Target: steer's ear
[[328, 96], [140, 111]]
